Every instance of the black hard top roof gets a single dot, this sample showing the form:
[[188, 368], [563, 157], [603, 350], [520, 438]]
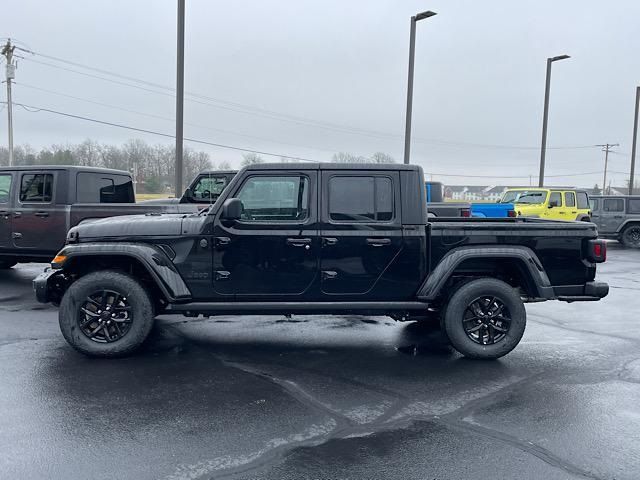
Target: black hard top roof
[[332, 166], [615, 196], [67, 168]]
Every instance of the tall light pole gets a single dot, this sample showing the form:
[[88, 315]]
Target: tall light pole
[[7, 51], [412, 52], [635, 138], [545, 115], [179, 97]]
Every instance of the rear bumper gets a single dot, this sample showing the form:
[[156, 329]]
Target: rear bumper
[[591, 291]]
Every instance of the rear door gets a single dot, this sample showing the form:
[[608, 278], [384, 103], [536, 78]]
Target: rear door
[[361, 231], [612, 214], [5, 210], [569, 208], [38, 223], [595, 204]]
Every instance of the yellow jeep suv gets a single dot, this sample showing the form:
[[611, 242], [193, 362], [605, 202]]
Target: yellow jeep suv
[[552, 203]]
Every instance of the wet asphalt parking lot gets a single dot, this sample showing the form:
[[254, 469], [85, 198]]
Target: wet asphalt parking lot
[[333, 397]]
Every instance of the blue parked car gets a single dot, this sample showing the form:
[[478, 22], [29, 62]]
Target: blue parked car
[[492, 210]]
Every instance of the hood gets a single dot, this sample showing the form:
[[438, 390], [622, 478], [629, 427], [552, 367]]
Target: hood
[[128, 226]]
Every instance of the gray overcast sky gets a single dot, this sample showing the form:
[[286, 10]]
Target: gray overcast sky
[[480, 70]]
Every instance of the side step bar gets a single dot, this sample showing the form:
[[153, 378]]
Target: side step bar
[[278, 308]]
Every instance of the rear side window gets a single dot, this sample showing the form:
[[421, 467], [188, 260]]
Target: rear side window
[[569, 199], [613, 205], [272, 198], [595, 204], [5, 188], [361, 199], [100, 188], [634, 205], [583, 199], [36, 188], [555, 198]]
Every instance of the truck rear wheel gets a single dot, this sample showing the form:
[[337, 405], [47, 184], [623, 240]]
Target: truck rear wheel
[[485, 319], [631, 236], [106, 314]]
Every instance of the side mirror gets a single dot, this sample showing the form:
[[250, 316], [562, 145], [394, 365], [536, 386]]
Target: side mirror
[[231, 209], [553, 204]]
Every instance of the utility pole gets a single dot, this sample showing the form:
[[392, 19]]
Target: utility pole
[[606, 147], [635, 138], [7, 51], [179, 97]]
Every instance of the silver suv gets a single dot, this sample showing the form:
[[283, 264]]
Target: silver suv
[[617, 217]]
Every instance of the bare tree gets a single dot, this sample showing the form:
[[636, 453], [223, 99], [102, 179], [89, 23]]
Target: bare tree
[[381, 157], [251, 159], [224, 165]]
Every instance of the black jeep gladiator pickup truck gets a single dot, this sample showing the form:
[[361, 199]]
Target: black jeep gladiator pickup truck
[[40, 203], [318, 239]]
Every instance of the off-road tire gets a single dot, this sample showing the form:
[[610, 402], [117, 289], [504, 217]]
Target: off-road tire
[[137, 297], [460, 301], [631, 236]]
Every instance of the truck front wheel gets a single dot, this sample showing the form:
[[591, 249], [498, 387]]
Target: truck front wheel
[[485, 319], [106, 314], [631, 236]]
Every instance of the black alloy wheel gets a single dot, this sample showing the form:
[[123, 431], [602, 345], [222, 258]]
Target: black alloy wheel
[[631, 236], [105, 316], [486, 320]]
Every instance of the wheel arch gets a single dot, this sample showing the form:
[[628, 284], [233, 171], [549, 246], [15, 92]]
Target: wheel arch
[[147, 262], [518, 266]]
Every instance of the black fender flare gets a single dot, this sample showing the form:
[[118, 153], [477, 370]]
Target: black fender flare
[[152, 258], [433, 284]]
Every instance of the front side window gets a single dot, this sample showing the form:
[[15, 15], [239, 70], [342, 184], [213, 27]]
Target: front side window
[[360, 199], [36, 187], [555, 199], [274, 198], [97, 188], [5, 188], [594, 204], [583, 200], [208, 188], [613, 205], [569, 199]]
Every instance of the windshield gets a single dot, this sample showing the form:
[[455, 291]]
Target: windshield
[[524, 196]]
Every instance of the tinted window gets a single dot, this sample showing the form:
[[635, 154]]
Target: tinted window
[[360, 199], [275, 198], [634, 204], [5, 188], [583, 199], [100, 188], [208, 188], [569, 199], [613, 205], [594, 204], [556, 198], [36, 187]]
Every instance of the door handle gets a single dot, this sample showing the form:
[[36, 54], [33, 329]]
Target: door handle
[[17, 214], [219, 241], [222, 275], [41, 214], [378, 242], [299, 242], [16, 235], [329, 275], [329, 241]]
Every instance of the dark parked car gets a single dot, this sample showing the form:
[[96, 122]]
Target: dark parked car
[[38, 205], [617, 217], [437, 207], [203, 190], [318, 239]]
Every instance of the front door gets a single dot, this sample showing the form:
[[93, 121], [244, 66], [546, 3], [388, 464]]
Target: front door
[[611, 214], [37, 223], [5, 210], [361, 232], [273, 249]]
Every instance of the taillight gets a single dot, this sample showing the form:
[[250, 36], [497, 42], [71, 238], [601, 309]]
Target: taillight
[[511, 213], [597, 251], [466, 212]]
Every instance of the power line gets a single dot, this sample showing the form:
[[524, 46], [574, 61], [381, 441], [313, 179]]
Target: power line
[[33, 109], [270, 114]]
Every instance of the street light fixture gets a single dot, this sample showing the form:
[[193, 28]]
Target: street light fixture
[[543, 148], [412, 51]]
